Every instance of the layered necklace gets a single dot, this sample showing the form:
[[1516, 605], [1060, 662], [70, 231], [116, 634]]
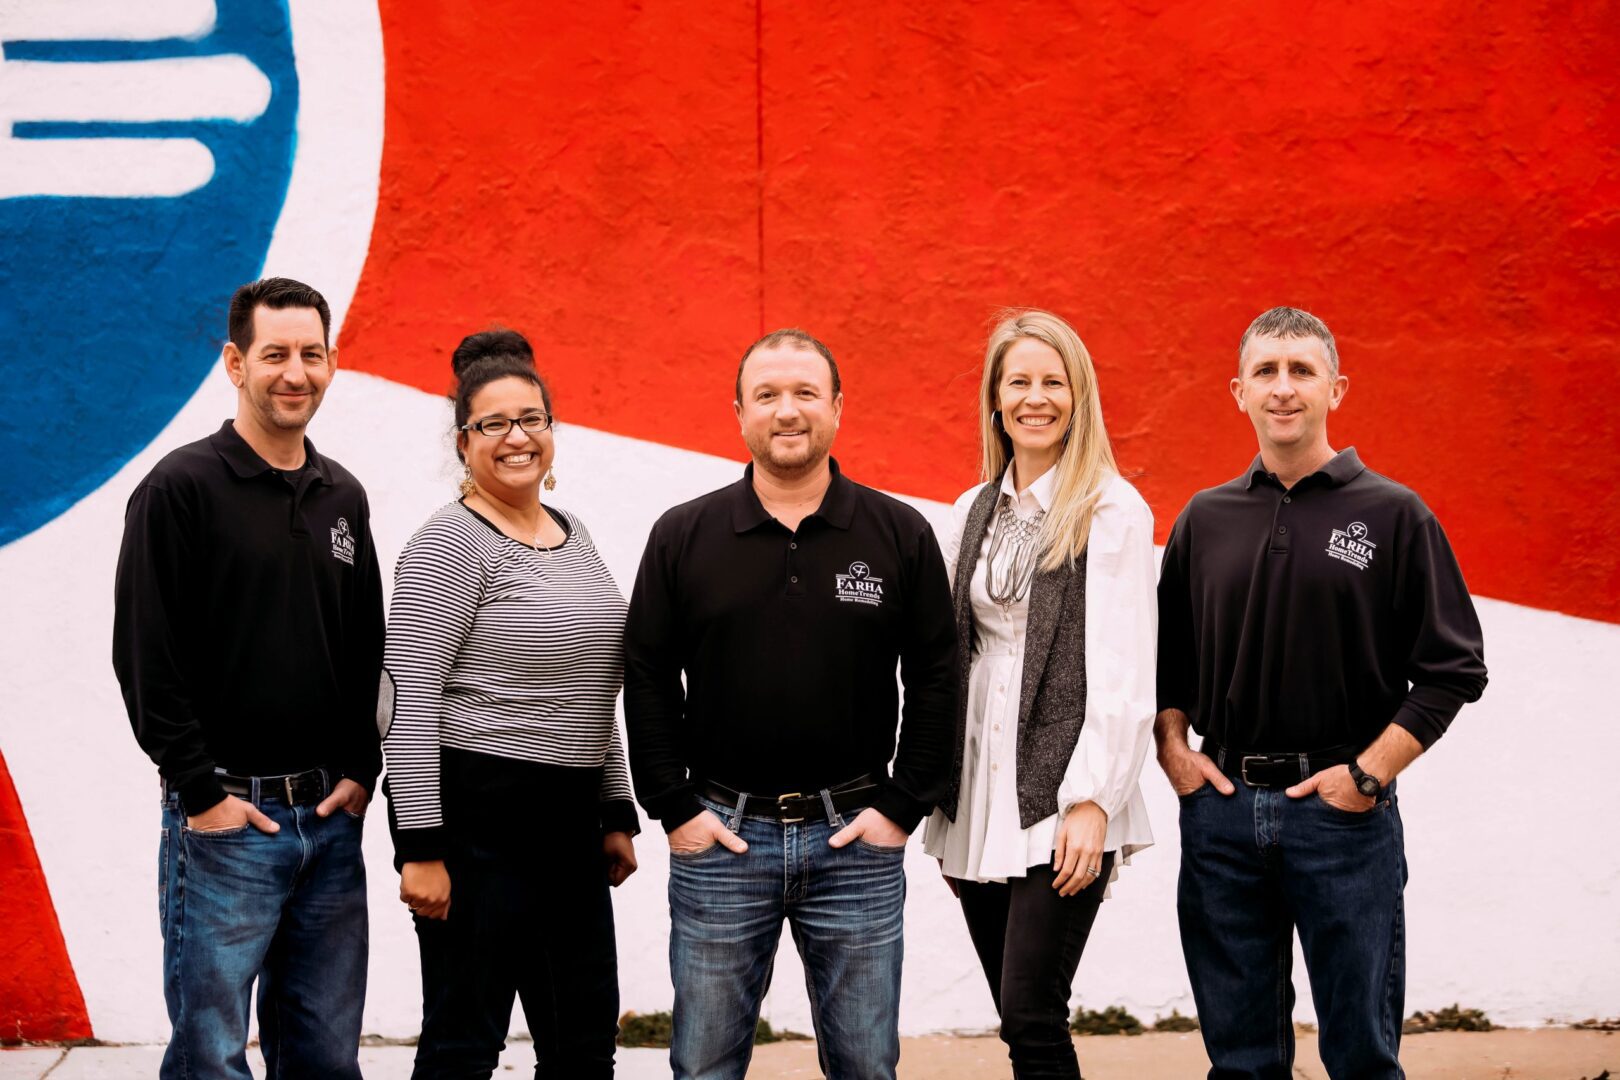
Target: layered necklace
[[1013, 552]]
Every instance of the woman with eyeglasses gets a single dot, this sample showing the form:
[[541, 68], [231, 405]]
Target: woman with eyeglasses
[[1054, 582], [509, 798]]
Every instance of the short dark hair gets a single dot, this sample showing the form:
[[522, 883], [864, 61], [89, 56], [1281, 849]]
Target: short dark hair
[[486, 357], [800, 339], [275, 293], [1288, 322]]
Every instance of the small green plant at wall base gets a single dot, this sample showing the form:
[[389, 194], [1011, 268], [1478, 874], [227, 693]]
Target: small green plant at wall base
[[646, 1029], [1450, 1018], [1113, 1020], [655, 1029], [1176, 1022], [764, 1033], [1592, 1023]]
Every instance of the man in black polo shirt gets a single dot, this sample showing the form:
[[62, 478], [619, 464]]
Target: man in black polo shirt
[[786, 600], [1314, 628], [248, 641]]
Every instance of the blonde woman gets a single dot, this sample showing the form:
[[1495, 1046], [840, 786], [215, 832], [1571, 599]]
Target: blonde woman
[[1053, 579]]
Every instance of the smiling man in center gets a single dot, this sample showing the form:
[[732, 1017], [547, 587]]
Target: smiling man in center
[[786, 600]]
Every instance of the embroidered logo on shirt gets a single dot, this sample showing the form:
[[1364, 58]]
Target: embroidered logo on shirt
[[343, 542], [859, 586], [1350, 545]]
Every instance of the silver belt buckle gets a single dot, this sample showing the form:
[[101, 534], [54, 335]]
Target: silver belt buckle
[[287, 785], [1243, 767]]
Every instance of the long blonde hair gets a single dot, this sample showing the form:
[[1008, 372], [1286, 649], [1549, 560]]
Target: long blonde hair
[[1086, 462]]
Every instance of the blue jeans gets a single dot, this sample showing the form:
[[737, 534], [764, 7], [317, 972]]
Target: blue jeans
[[844, 906], [287, 909], [1254, 866]]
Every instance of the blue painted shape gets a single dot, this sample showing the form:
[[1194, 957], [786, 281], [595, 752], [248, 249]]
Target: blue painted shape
[[112, 311]]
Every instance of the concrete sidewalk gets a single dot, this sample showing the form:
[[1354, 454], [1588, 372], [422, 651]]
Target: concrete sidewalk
[[1549, 1054]]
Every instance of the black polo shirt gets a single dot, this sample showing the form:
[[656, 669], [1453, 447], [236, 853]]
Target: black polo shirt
[[788, 643], [248, 631], [1311, 618]]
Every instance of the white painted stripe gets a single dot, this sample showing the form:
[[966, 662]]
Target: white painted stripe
[[182, 88], [103, 168], [105, 20], [324, 230]]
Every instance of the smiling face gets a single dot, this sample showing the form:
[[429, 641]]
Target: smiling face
[[1287, 386], [1036, 402], [508, 467], [788, 411], [282, 377]]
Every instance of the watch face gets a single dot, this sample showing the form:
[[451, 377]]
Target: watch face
[[1367, 786]]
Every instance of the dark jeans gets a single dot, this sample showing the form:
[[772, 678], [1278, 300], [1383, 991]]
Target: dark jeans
[[1254, 866], [530, 917], [845, 908], [287, 909], [1029, 940]]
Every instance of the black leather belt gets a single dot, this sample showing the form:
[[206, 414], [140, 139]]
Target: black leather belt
[[795, 806], [294, 789], [1276, 769]]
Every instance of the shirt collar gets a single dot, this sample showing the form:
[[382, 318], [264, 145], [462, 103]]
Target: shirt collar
[[1041, 490], [1344, 467], [246, 462], [837, 505]]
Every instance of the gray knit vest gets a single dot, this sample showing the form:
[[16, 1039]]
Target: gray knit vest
[[1052, 705]]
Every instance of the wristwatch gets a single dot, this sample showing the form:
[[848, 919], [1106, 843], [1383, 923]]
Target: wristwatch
[[1366, 783]]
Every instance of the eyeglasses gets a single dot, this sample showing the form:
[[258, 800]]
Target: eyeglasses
[[496, 426]]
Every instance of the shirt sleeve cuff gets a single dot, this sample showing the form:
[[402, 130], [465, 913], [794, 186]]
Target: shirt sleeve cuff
[[619, 815], [200, 793], [898, 807], [675, 808], [420, 845]]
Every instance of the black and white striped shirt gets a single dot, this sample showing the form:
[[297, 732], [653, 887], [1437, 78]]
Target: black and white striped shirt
[[496, 648]]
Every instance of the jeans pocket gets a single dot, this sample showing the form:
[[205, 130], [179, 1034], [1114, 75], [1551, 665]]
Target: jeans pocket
[[353, 815], [880, 849], [693, 856], [1199, 790], [163, 880], [1351, 816], [217, 834]]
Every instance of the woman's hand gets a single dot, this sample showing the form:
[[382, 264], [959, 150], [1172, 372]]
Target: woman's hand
[[620, 850], [1077, 857], [424, 887]]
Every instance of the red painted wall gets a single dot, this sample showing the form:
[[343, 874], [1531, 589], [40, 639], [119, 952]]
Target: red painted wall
[[644, 189], [39, 995]]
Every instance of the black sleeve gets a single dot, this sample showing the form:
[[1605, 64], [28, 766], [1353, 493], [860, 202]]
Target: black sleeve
[[1178, 652], [146, 653], [928, 672], [362, 753], [654, 698], [1446, 661]]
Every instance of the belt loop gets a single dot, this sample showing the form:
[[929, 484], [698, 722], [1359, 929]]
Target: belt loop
[[1304, 767], [253, 790], [834, 818], [1220, 758], [735, 823], [326, 782]]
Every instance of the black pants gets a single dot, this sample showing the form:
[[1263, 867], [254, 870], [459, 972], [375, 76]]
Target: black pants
[[1029, 940], [530, 916]]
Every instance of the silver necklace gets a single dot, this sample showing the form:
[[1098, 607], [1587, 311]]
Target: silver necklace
[[1007, 578]]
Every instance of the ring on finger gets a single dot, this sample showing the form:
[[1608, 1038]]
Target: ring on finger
[[1093, 871]]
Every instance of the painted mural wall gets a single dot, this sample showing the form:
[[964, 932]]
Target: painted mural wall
[[644, 188]]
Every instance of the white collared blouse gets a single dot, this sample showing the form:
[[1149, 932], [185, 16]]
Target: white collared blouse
[[986, 842]]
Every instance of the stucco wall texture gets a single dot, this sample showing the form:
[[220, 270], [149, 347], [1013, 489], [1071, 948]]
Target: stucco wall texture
[[1438, 181], [645, 188]]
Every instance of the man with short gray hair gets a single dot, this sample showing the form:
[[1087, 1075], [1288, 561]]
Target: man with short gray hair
[[1315, 629]]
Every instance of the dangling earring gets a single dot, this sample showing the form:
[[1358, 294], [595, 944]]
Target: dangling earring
[[551, 480], [467, 485]]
